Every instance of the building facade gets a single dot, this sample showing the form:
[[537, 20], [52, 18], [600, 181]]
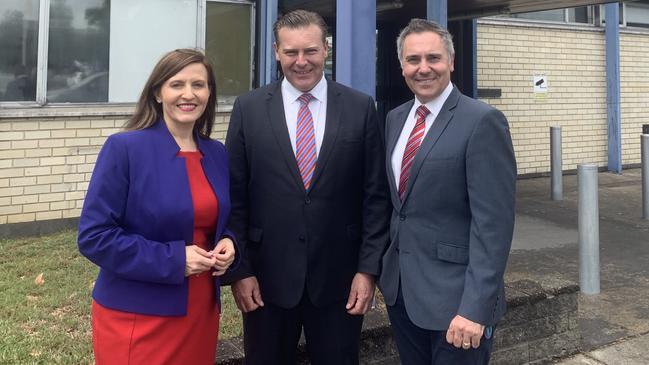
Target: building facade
[[72, 71]]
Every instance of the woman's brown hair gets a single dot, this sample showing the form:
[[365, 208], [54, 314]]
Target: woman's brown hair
[[148, 110]]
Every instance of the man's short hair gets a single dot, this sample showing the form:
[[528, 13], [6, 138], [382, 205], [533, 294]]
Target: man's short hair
[[300, 19], [421, 26]]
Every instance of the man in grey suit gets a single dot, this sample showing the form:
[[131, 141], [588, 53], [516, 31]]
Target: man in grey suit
[[452, 176]]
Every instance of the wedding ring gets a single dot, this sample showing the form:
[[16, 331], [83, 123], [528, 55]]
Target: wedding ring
[[466, 345]]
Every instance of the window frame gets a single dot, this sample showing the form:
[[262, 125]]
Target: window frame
[[43, 59]]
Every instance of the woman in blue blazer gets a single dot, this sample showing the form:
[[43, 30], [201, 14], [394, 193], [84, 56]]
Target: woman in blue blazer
[[154, 221]]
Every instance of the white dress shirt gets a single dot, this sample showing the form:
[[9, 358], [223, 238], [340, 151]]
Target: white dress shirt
[[317, 106], [434, 106]]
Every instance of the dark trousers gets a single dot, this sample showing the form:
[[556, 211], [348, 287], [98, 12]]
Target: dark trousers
[[418, 346], [271, 334]]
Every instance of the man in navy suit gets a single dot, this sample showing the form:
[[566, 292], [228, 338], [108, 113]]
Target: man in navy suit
[[310, 204], [452, 177]]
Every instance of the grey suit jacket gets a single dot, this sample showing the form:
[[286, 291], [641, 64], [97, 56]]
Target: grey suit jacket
[[451, 236]]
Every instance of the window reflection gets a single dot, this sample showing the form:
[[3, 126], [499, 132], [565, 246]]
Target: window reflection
[[18, 49], [78, 51], [228, 35]]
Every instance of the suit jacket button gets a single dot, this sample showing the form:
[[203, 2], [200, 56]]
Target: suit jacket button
[[307, 200], [402, 217], [302, 238]]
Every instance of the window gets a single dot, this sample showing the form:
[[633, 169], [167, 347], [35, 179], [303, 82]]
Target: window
[[600, 14], [77, 61], [142, 31], [102, 51], [19, 45], [229, 46], [637, 14], [581, 14], [547, 15]]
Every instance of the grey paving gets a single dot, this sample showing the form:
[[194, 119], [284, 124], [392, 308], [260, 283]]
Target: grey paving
[[632, 351], [614, 323]]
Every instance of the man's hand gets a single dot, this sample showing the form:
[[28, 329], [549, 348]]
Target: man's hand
[[247, 295], [360, 295], [464, 333], [224, 256], [197, 260]]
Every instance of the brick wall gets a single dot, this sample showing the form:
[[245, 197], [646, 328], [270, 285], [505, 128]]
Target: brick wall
[[510, 53], [46, 163]]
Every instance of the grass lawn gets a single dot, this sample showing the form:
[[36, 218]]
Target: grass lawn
[[48, 321]]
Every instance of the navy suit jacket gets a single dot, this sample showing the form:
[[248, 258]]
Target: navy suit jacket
[[138, 216], [317, 239], [451, 235]]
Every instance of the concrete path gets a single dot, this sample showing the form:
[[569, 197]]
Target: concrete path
[[613, 324], [627, 352]]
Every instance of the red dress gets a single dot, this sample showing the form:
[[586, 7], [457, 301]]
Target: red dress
[[131, 338]]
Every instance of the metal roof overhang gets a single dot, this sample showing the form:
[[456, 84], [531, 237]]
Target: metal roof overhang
[[457, 9]]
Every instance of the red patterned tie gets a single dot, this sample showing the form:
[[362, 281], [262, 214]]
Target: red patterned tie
[[414, 141], [305, 140]]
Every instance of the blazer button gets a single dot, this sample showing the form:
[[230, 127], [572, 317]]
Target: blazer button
[[402, 217], [307, 200], [302, 238]]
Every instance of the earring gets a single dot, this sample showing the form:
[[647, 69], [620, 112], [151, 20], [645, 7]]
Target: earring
[[159, 101]]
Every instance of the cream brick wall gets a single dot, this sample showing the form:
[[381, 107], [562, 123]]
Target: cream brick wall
[[634, 90], [509, 55], [46, 163]]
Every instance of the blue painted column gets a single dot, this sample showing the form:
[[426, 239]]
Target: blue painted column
[[266, 61], [356, 44], [437, 11], [474, 57], [612, 30]]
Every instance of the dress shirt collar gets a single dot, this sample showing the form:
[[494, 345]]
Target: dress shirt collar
[[319, 91], [436, 104]]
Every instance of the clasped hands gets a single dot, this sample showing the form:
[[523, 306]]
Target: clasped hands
[[197, 260], [248, 296]]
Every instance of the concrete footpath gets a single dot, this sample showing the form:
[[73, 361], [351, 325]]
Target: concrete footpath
[[614, 325]]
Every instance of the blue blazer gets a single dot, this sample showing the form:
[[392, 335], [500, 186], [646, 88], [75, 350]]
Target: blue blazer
[[138, 216]]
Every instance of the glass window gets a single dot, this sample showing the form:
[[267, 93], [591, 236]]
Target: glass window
[[580, 15], [228, 44], [19, 49], [98, 51], [637, 14], [547, 15], [141, 32], [77, 69]]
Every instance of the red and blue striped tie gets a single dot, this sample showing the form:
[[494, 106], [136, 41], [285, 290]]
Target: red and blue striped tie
[[414, 141], [305, 141]]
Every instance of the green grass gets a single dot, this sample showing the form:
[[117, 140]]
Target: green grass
[[50, 323]]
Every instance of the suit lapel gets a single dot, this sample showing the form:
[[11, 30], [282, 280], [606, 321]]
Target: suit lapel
[[277, 120], [439, 125], [331, 130], [393, 132]]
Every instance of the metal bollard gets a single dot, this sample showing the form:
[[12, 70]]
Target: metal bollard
[[644, 144], [588, 229], [556, 165]]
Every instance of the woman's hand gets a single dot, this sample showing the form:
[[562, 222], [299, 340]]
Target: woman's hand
[[224, 256], [198, 260]]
